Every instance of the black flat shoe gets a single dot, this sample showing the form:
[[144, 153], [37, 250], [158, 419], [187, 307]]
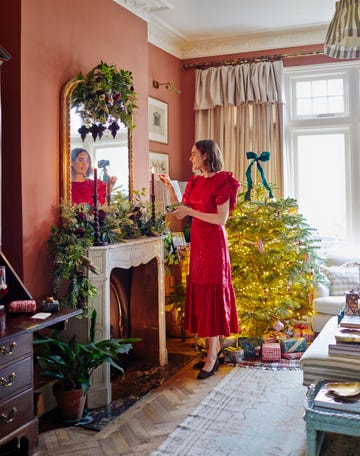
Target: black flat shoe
[[199, 365], [206, 374]]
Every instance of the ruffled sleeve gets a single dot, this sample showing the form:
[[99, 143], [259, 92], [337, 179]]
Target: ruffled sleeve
[[227, 189], [189, 186]]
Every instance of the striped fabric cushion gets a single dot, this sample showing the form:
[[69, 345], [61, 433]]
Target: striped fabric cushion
[[342, 278]]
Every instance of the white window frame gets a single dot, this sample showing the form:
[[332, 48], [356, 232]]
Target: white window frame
[[347, 123]]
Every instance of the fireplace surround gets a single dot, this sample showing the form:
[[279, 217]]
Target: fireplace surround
[[144, 257]]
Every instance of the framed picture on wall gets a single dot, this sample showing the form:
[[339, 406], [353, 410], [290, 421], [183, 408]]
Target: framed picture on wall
[[160, 163], [158, 121]]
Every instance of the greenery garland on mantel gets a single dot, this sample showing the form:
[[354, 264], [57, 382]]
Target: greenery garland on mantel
[[69, 242], [104, 97]]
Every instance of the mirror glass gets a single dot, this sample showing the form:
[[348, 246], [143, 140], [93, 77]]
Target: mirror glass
[[111, 156]]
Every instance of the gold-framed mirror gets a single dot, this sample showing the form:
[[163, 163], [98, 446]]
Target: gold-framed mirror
[[118, 151]]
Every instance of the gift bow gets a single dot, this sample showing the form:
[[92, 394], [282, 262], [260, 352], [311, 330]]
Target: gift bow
[[265, 156]]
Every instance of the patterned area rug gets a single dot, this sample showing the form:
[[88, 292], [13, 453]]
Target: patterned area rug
[[251, 412], [283, 364]]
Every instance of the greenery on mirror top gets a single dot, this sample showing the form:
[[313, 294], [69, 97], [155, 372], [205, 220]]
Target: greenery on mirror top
[[103, 97], [70, 240]]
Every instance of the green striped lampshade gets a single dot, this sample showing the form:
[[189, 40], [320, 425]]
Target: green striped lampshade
[[343, 36]]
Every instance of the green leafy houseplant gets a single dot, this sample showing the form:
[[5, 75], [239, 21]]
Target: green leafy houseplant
[[71, 364], [104, 97]]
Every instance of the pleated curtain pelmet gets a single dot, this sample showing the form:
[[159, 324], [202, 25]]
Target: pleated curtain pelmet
[[241, 108]]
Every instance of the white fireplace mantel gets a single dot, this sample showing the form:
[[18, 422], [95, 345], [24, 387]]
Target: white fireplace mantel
[[130, 253]]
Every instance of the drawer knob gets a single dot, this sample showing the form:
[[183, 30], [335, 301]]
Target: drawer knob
[[8, 351], [10, 417], [4, 382]]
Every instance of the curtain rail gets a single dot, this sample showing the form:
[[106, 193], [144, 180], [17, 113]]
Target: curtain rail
[[264, 58]]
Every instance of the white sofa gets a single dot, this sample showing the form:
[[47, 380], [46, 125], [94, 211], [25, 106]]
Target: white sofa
[[342, 272]]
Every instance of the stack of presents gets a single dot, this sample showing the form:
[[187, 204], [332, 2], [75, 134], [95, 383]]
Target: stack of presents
[[271, 347]]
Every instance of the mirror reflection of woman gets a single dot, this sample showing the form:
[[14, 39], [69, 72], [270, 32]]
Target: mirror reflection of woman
[[82, 187]]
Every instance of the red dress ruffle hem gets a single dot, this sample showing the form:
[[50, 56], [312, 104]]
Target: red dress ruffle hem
[[210, 306]]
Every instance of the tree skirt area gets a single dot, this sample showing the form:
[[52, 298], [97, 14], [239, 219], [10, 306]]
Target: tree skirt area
[[250, 412], [139, 380]]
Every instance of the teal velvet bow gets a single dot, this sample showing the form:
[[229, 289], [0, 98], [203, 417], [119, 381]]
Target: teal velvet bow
[[265, 156]]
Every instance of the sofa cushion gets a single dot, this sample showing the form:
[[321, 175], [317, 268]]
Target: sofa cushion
[[330, 305], [342, 278]]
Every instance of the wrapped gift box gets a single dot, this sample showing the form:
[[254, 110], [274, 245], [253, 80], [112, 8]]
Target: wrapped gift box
[[296, 355], [293, 345], [25, 306], [248, 344], [50, 306], [271, 352], [304, 331]]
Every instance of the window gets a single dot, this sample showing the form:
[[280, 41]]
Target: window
[[322, 147]]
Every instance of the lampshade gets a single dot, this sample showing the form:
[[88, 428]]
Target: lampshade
[[343, 36]]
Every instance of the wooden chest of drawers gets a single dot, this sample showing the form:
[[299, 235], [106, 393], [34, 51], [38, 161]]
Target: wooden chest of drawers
[[16, 390], [17, 421]]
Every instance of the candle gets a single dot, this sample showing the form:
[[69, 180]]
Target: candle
[[95, 181], [108, 186], [153, 181]]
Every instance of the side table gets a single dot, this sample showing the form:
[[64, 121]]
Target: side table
[[320, 420]]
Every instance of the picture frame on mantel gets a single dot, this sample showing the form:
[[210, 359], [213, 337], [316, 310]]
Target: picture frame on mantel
[[158, 120], [160, 163]]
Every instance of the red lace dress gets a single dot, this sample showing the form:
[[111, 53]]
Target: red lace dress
[[83, 192], [210, 307]]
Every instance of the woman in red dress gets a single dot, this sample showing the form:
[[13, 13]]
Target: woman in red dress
[[82, 188], [210, 307]]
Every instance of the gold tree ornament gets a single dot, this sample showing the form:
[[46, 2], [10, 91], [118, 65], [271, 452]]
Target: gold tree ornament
[[103, 98]]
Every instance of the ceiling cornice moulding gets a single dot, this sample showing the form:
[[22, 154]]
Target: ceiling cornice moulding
[[175, 44], [144, 8], [183, 49]]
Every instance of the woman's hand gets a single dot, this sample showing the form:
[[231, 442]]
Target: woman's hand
[[181, 211]]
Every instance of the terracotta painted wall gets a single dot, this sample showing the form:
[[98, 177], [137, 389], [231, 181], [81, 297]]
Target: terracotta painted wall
[[58, 39], [51, 41], [164, 67]]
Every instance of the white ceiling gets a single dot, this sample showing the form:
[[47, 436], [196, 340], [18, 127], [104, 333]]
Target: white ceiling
[[199, 28]]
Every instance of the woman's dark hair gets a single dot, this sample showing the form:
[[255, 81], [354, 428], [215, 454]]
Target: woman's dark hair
[[214, 160], [74, 154]]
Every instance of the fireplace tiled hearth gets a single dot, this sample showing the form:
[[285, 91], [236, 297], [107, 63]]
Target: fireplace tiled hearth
[[146, 304]]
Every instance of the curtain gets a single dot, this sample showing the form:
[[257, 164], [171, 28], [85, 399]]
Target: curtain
[[241, 108]]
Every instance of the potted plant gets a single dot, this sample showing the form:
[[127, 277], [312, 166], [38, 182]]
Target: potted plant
[[71, 365]]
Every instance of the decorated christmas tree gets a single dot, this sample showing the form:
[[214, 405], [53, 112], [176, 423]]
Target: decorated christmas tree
[[273, 255]]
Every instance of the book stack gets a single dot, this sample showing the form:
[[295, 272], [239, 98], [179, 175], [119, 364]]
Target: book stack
[[326, 398], [347, 337]]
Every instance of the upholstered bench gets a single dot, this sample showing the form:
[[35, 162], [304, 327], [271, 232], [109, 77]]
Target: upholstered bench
[[318, 365]]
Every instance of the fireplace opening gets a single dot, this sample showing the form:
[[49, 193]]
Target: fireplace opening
[[120, 285]]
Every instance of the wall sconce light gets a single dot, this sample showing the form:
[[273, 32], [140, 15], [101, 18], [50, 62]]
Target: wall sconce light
[[343, 36], [167, 85]]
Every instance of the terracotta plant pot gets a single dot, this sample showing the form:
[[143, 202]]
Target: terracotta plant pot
[[70, 403]]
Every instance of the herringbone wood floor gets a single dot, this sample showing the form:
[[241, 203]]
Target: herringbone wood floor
[[143, 427]]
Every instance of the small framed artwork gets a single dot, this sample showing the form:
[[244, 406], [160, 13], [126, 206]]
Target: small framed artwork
[[160, 163], [158, 121]]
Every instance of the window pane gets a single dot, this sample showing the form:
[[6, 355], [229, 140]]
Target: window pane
[[321, 182], [335, 87], [319, 88], [303, 89], [320, 96]]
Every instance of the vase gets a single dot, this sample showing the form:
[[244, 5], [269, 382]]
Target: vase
[[70, 403]]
